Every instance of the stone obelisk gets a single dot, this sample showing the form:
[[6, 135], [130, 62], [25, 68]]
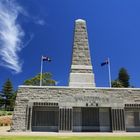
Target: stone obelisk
[[81, 74]]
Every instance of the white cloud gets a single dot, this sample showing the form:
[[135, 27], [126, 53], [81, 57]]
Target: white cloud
[[11, 35], [40, 22]]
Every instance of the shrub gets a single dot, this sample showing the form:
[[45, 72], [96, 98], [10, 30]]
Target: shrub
[[2, 113], [9, 113], [5, 120]]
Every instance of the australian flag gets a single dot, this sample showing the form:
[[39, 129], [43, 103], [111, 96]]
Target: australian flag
[[46, 58], [106, 62]]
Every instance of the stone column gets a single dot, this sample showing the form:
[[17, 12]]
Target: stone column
[[81, 74]]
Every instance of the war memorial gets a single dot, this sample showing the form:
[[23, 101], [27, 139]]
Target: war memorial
[[80, 106]]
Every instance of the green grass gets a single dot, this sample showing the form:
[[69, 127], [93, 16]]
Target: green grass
[[67, 138]]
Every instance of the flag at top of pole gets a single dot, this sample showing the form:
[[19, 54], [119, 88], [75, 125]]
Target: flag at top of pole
[[107, 62], [43, 58], [46, 58]]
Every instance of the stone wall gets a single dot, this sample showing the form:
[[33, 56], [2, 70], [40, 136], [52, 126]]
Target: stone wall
[[70, 97]]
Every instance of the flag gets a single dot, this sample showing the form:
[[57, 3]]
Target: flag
[[46, 58], [106, 62]]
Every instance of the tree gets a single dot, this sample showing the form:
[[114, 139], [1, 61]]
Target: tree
[[46, 80], [123, 77], [8, 95], [122, 80], [1, 100], [116, 83]]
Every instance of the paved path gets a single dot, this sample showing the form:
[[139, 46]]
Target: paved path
[[66, 134], [3, 132]]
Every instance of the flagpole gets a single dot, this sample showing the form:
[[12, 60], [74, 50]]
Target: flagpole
[[41, 69], [109, 72]]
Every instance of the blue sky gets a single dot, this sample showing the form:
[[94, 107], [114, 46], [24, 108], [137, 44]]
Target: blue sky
[[46, 27]]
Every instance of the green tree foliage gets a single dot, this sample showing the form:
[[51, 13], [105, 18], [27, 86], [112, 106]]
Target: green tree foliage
[[1, 100], [122, 80], [46, 80], [116, 83], [124, 77], [8, 95]]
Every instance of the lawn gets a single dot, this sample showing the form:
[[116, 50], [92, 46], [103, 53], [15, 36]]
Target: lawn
[[67, 138]]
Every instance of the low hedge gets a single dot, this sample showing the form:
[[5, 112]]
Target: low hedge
[[5, 120], [5, 113]]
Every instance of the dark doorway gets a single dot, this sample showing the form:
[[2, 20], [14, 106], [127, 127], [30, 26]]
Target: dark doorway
[[105, 119], [45, 118], [90, 119], [132, 119]]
